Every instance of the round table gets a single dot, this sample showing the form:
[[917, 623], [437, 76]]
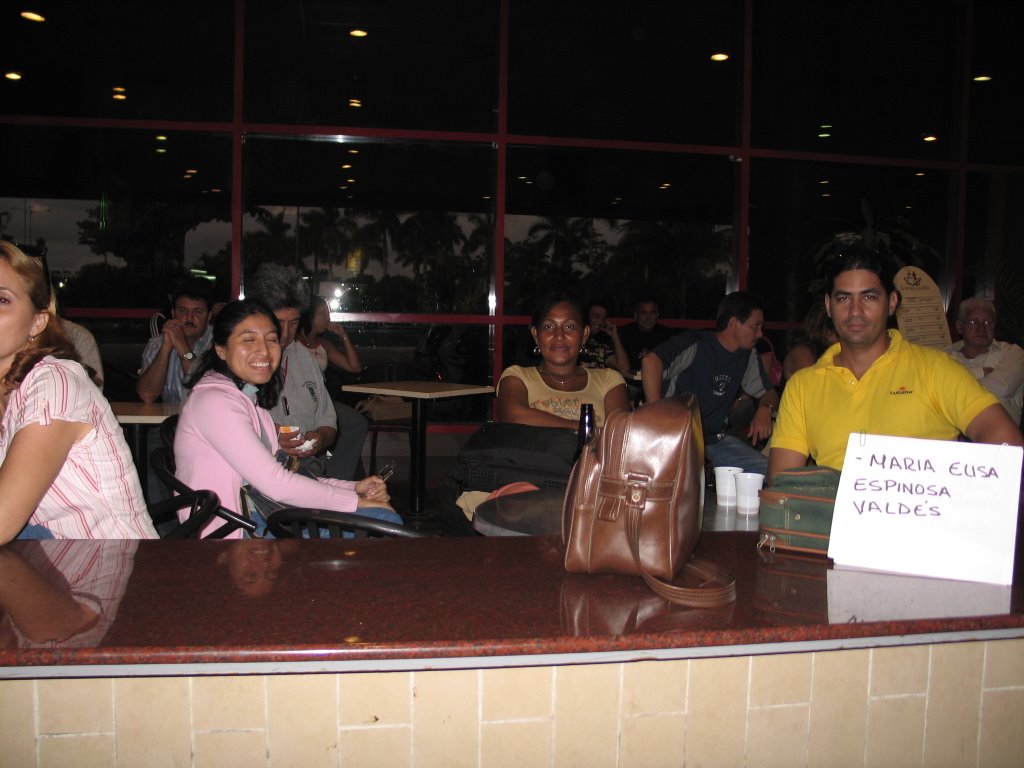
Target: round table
[[531, 513]]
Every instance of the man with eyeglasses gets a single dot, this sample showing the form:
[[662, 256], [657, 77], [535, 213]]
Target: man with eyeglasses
[[998, 365], [874, 380]]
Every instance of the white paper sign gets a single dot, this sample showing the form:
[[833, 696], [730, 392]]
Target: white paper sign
[[927, 508]]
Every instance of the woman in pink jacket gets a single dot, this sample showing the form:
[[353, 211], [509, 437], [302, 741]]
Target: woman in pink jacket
[[226, 436]]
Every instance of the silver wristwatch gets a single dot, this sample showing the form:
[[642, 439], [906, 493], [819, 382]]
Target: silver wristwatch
[[190, 355]]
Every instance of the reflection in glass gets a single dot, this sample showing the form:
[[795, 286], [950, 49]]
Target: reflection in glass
[[61, 593], [854, 77], [120, 60], [620, 226], [796, 207], [422, 65], [640, 71], [121, 228], [395, 227]]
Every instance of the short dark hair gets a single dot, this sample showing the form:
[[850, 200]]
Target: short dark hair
[[849, 251], [279, 288], [738, 304], [550, 300], [224, 325], [193, 288]]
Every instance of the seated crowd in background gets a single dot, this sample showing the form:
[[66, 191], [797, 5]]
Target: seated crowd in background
[[66, 469], [227, 437]]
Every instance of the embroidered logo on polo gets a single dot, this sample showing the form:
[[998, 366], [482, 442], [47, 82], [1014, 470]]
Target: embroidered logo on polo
[[901, 391]]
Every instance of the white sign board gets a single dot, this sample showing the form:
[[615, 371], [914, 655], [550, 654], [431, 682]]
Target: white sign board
[[934, 508]]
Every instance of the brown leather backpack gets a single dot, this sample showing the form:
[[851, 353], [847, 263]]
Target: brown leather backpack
[[634, 503]]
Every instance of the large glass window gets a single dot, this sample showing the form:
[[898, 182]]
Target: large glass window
[[639, 70], [121, 59], [797, 207], [121, 214], [855, 76], [619, 226], [392, 226], [996, 76], [402, 63]]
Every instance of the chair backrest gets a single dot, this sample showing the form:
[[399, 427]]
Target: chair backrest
[[162, 461], [167, 429], [201, 505], [295, 522]]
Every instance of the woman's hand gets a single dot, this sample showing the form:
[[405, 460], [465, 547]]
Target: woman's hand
[[373, 492]]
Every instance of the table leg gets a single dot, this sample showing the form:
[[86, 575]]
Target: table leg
[[417, 460]]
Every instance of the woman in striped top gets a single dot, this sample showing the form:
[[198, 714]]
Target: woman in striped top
[[65, 467]]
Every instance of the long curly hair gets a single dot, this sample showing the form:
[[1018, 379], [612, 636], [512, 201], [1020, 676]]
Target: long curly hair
[[51, 340]]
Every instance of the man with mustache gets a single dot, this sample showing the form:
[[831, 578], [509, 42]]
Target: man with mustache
[[875, 381], [185, 336]]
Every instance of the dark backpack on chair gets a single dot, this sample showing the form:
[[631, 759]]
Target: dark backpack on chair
[[499, 454]]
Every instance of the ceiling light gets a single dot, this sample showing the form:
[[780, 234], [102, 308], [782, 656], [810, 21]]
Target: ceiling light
[[823, 181], [353, 151], [930, 137], [719, 56], [187, 176], [355, 103], [32, 16], [358, 33], [824, 135], [161, 151], [119, 97], [346, 166], [826, 194], [161, 137], [664, 185], [343, 186], [13, 75], [983, 78], [118, 89], [919, 173], [825, 125], [191, 170], [351, 181]]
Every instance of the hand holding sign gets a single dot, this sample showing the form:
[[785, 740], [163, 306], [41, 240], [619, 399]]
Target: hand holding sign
[[927, 508]]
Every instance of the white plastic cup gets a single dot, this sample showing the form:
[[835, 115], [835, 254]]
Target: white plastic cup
[[748, 484], [725, 484]]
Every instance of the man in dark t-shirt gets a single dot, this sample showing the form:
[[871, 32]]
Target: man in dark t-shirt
[[715, 366], [640, 337]]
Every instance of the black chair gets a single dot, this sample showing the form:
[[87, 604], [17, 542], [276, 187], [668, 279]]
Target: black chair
[[162, 461], [202, 507], [167, 429], [291, 522]]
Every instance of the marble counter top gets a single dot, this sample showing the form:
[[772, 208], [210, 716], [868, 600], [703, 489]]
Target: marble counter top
[[159, 607]]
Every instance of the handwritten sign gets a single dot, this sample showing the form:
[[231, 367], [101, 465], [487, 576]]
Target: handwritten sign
[[927, 508], [921, 316]]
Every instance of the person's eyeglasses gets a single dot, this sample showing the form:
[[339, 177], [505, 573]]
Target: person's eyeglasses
[[986, 324]]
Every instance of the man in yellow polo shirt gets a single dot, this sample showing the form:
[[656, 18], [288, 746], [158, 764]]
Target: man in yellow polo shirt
[[875, 381]]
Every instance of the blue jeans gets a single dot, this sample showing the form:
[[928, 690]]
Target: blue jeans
[[733, 452], [35, 532]]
